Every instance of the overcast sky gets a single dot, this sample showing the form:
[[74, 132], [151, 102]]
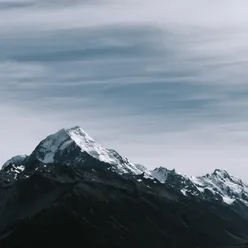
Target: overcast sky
[[164, 82]]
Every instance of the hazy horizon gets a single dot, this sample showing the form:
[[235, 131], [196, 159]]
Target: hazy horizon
[[162, 82]]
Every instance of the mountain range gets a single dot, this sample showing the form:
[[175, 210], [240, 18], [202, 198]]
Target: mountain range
[[71, 190]]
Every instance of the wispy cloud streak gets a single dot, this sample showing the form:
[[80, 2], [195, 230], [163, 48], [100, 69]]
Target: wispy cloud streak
[[163, 78]]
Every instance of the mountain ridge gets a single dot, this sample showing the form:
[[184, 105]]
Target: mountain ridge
[[73, 146], [114, 203]]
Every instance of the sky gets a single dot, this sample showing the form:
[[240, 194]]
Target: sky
[[163, 82]]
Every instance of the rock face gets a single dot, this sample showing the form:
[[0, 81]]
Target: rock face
[[73, 191], [17, 160]]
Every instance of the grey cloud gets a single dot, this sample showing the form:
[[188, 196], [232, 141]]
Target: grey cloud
[[27, 4], [142, 70], [159, 83]]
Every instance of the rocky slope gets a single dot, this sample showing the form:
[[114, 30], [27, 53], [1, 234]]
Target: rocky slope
[[73, 191]]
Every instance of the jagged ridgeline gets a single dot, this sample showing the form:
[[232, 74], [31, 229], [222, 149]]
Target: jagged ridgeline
[[71, 190]]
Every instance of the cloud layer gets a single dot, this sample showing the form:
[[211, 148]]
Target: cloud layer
[[163, 82]]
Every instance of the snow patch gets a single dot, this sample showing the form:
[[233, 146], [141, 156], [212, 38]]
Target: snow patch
[[184, 192], [228, 200]]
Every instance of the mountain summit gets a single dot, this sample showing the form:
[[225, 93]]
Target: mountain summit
[[75, 147]]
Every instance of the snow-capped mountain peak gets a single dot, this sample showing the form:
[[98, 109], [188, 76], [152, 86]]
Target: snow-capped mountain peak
[[75, 146], [161, 173], [64, 138], [221, 173], [79, 136], [218, 185], [88, 144], [221, 184]]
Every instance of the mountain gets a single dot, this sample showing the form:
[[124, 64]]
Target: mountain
[[181, 184], [217, 186], [76, 148], [71, 190]]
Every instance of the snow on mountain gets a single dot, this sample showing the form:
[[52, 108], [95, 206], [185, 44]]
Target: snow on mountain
[[17, 161], [161, 174], [216, 186], [15, 170], [73, 144], [147, 172], [220, 183], [181, 184]]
